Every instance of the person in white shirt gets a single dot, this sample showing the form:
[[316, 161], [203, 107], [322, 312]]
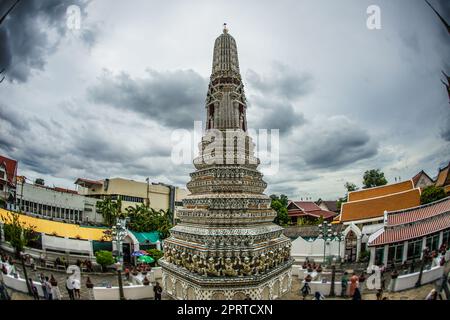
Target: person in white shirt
[[76, 288]]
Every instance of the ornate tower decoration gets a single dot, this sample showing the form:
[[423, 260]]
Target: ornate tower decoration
[[226, 244]]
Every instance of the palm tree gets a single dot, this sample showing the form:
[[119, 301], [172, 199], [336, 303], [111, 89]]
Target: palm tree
[[110, 210]]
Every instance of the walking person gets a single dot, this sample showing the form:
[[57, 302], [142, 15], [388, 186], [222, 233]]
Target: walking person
[[344, 284], [157, 289], [76, 288], [34, 289], [361, 281], [44, 288], [48, 288], [3, 292], [56, 294], [69, 287], [32, 263], [356, 294], [353, 283], [306, 290]]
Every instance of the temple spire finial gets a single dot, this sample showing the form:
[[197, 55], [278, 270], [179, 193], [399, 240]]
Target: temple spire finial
[[225, 29]]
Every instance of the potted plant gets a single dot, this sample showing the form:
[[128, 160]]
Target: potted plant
[[319, 269], [146, 282], [308, 278], [394, 274]]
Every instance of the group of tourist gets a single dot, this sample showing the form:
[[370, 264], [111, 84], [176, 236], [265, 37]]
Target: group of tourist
[[134, 270], [51, 290], [354, 290]]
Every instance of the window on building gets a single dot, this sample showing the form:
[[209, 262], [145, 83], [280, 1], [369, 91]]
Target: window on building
[[379, 253], [433, 242], [446, 238], [414, 249], [395, 254], [2, 176], [1, 187]]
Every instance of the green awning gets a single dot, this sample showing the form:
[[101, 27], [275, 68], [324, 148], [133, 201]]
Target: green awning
[[146, 237]]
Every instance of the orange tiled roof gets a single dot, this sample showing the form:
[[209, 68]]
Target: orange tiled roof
[[375, 207], [380, 191], [443, 177], [447, 189]]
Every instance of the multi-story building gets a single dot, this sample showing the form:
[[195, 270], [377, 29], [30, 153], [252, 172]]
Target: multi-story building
[[8, 173], [363, 214], [406, 233], [56, 203], [157, 195]]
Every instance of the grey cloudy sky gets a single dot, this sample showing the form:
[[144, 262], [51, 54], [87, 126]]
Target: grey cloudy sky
[[103, 101]]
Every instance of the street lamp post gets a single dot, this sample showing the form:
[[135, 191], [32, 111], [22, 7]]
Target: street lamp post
[[325, 233], [337, 236], [25, 274], [119, 232]]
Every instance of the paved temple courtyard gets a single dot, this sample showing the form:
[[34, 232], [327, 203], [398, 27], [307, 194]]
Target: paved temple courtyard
[[294, 294]]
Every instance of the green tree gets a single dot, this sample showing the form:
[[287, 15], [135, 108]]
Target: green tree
[[282, 198], [104, 258], [282, 217], [110, 210], [155, 254], [431, 194], [373, 178], [350, 186], [39, 181], [145, 219], [18, 233]]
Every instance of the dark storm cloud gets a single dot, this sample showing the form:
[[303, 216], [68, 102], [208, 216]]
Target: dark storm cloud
[[49, 149], [274, 114], [282, 82], [173, 98], [335, 143], [9, 116], [274, 95], [446, 131], [31, 32]]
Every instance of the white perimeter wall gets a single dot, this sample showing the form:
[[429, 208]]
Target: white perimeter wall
[[408, 281], [66, 244], [313, 250], [131, 292]]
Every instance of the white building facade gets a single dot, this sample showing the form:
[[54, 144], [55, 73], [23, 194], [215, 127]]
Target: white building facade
[[56, 204]]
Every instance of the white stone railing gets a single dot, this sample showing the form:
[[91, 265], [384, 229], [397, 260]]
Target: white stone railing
[[20, 284], [134, 292], [408, 281], [324, 288]]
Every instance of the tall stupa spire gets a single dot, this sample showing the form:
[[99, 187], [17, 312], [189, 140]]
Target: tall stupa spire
[[226, 245], [225, 101]]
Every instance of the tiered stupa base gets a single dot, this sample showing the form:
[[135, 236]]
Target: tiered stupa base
[[181, 285]]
